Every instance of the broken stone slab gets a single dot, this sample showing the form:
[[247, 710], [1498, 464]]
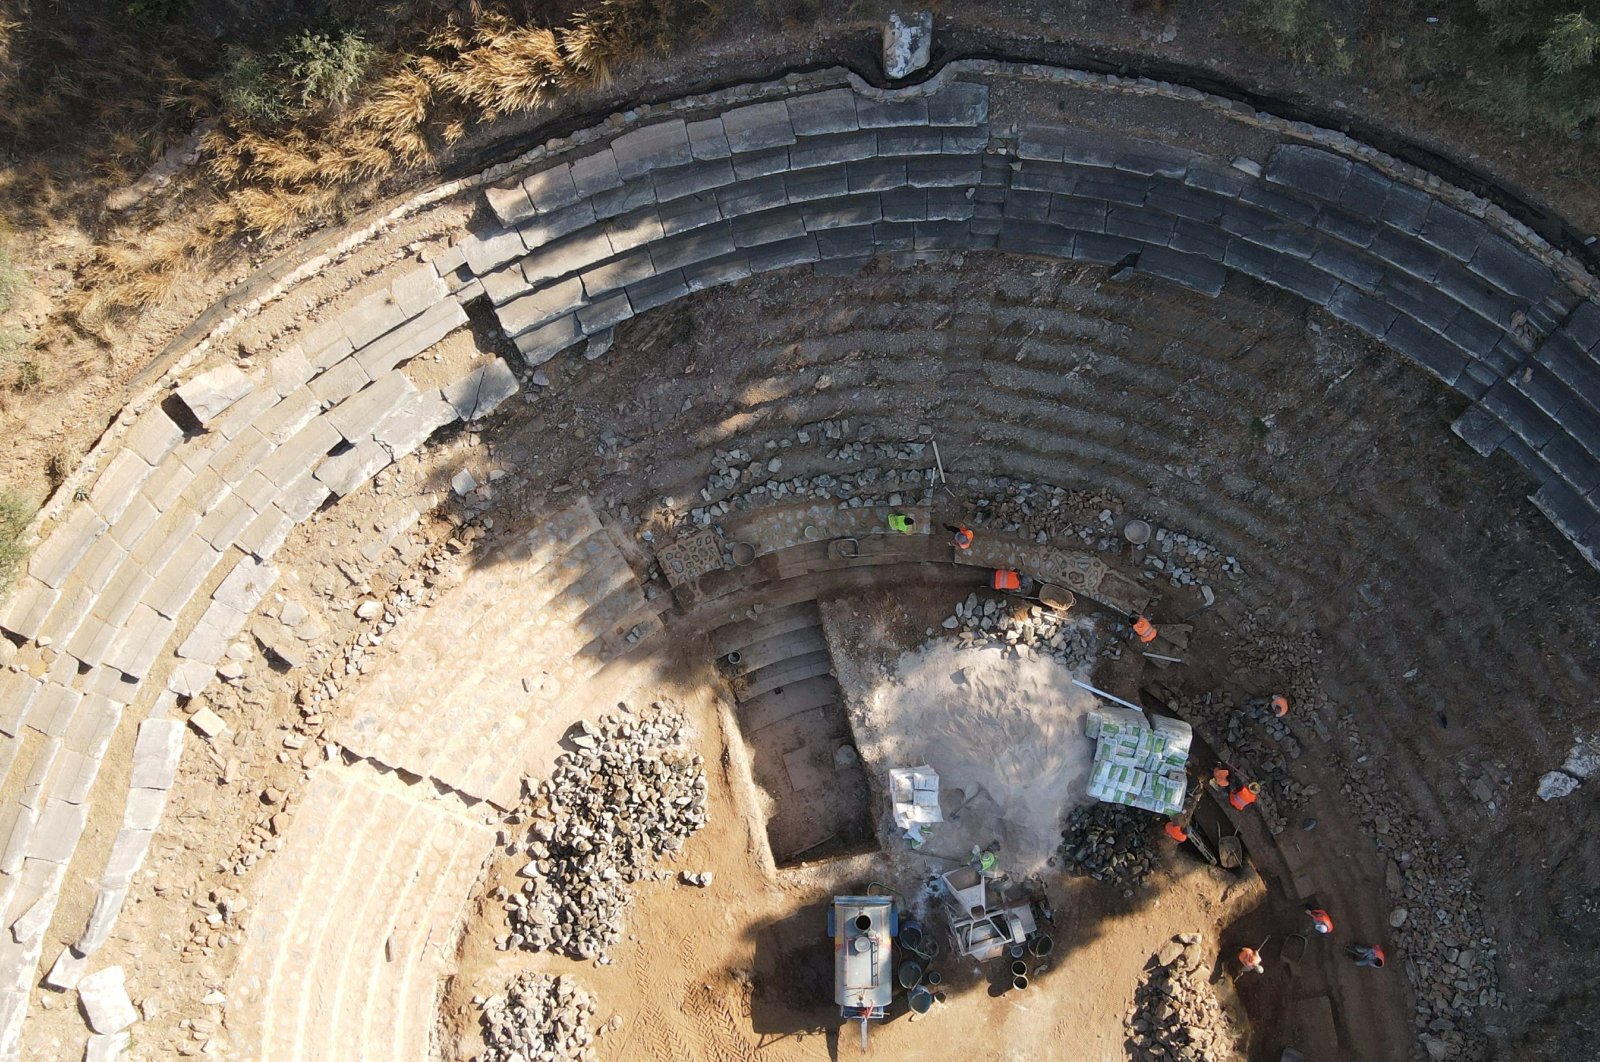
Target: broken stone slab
[[156, 752], [107, 905], [32, 923], [66, 971], [907, 44], [483, 389], [463, 483], [108, 1047], [208, 723], [103, 995], [214, 391], [127, 854], [246, 585]]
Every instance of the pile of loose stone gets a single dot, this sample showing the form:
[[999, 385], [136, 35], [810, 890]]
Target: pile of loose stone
[[1253, 741], [629, 794], [989, 620], [539, 1018], [1109, 843], [1176, 1016]]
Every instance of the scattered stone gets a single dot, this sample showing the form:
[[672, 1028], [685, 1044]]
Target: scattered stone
[[1397, 917], [104, 998], [210, 725], [463, 483], [701, 880], [1556, 784], [538, 1017], [67, 970], [369, 609]]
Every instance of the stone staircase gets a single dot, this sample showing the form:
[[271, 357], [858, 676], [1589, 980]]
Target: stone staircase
[[354, 922], [480, 680], [791, 713]]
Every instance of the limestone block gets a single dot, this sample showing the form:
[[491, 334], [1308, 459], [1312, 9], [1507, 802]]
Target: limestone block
[[118, 484], [292, 413], [403, 432], [52, 710], [343, 379], [71, 776], [17, 691], [139, 645], [190, 677], [302, 497], [482, 390], [156, 752], [358, 416], [651, 147], [153, 436], [758, 126], [128, 852], [537, 307], [596, 173], [707, 141], [180, 577], [107, 905], [486, 254], [289, 462], [244, 587], [371, 317], [551, 189], [510, 204], [57, 832], [18, 839], [108, 1047], [67, 970], [54, 558], [210, 637], [28, 607], [138, 518], [540, 344], [906, 44], [104, 998], [289, 371], [415, 336], [266, 533], [213, 391], [822, 113], [960, 103], [345, 472], [32, 923]]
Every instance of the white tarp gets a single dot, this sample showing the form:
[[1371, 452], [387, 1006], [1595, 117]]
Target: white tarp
[[915, 793]]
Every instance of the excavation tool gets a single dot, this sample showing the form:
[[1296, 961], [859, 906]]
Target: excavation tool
[[863, 930]]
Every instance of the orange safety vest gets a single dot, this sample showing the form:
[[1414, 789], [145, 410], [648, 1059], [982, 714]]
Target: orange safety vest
[[1280, 705], [1320, 920], [1005, 579], [1145, 630], [1176, 832], [1242, 797], [963, 538]]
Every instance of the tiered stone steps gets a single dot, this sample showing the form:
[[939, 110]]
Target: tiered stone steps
[[576, 601], [353, 922]]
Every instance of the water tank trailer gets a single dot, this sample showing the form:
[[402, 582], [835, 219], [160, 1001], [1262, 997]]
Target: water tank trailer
[[863, 929]]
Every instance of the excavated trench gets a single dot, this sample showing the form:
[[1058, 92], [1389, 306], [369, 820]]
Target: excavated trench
[[1066, 282]]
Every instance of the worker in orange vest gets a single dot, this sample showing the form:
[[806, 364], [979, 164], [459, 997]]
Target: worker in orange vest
[[1250, 960], [1144, 629], [1280, 705], [1176, 831], [1006, 579], [963, 535], [1242, 796], [1320, 920]]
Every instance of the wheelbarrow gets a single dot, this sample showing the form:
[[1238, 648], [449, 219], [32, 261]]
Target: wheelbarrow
[[1230, 851]]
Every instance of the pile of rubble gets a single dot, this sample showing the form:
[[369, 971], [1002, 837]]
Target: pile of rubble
[[1109, 843], [1261, 747], [987, 620], [1176, 1016], [539, 1018], [628, 794]]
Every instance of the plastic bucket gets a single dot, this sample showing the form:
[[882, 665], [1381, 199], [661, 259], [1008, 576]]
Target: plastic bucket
[[910, 974], [921, 1000], [1019, 968], [933, 977], [910, 935], [743, 554], [1041, 945], [1019, 982]]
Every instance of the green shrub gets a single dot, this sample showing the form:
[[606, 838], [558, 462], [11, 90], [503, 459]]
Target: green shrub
[[326, 67], [156, 12], [14, 516], [1530, 62], [250, 87], [1299, 25], [312, 69]]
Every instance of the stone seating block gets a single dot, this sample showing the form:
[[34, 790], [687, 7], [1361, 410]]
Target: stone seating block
[[1373, 316], [1182, 201], [245, 585], [707, 140], [345, 472], [763, 193], [617, 273], [783, 254], [941, 236], [829, 151], [1139, 225], [771, 226], [209, 638], [411, 339], [547, 228], [503, 285], [1355, 229], [698, 246], [657, 291], [822, 113], [371, 317], [266, 532], [1584, 325], [301, 451], [343, 379], [409, 428], [242, 456], [182, 575], [843, 212], [170, 532], [632, 195], [651, 147], [1458, 235], [1574, 515], [551, 188], [54, 559], [1365, 191], [1576, 466], [1113, 186], [1032, 237], [726, 270], [876, 174], [1572, 365], [693, 178], [960, 103], [1194, 237], [688, 214], [1214, 178], [910, 140], [213, 391], [509, 203], [942, 171], [292, 413], [634, 231], [141, 642], [358, 416], [572, 254], [758, 126], [538, 345], [153, 436], [55, 837], [1313, 171], [127, 854], [597, 173], [1352, 267], [28, 607], [419, 288], [882, 114], [605, 312], [541, 305], [754, 164], [482, 390], [17, 691], [1104, 249], [488, 253], [224, 521], [1192, 271]]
